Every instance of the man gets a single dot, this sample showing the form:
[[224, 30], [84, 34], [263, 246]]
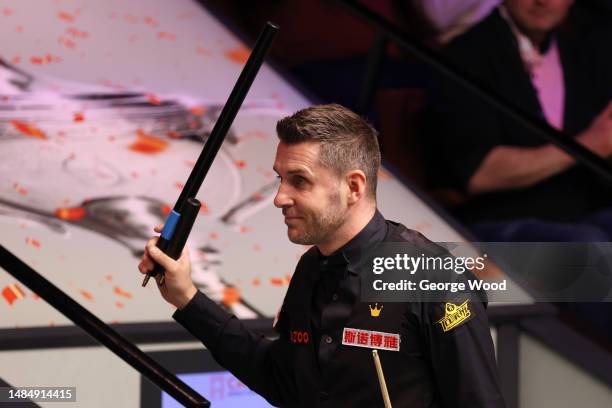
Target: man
[[327, 161], [521, 188]]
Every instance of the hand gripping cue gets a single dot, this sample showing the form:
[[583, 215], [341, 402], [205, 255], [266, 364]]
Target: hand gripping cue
[[180, 220]]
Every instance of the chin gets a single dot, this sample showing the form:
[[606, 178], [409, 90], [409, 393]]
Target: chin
[[297, 238]]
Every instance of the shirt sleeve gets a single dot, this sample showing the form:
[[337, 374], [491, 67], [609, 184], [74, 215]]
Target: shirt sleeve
[[258, 362], [462, 354]]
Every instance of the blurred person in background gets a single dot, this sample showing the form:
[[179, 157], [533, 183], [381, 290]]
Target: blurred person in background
[[519, 187]]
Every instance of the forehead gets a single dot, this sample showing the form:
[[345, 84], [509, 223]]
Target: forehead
[[291, 157]]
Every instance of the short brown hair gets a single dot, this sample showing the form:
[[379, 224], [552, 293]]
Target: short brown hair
[[347, 141]]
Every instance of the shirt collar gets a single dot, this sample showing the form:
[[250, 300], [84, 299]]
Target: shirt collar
[[350, 253], [530, 54]]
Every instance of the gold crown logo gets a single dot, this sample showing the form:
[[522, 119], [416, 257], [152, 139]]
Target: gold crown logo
[[375, 311]]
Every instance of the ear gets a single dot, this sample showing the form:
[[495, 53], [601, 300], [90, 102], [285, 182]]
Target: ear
[[356, 182]]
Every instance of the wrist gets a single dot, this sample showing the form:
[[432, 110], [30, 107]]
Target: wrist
[[186, 297]]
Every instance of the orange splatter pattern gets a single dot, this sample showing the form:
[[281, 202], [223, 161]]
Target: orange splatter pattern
[[130, 19], [65, 16], [165, 209], [150, 21], [123, 293], [153, 99], [44, 59], [79, 117], [204, 208], [256, 282], [164, 35], [119, 305], [231, 296], [28, 130], [86, 295], [67, 42], [239, 55], [33, 242], [203, 51], [12, 292], [20, 189], [241, 164], [197, 110], [148, 144], [70, 214], [76, 33], [109, 277]]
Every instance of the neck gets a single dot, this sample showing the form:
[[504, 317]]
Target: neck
[[348, 230]]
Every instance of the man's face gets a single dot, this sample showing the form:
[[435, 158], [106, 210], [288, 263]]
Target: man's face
[[538, 16], [309, 194]]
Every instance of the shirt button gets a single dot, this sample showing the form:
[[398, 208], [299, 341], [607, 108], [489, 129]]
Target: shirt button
[[335, 297], [328, 339]]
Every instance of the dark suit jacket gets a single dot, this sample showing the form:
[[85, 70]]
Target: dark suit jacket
[[470, 128]]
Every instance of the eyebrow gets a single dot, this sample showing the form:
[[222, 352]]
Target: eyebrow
[[296, 171]]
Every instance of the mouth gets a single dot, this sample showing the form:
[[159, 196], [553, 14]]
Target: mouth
[[289, 219]]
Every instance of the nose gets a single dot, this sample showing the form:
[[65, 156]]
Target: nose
[[282, 199]]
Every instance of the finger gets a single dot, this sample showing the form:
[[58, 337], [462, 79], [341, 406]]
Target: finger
[[162, 259], [158, 228], [146, 264], [185, 259]]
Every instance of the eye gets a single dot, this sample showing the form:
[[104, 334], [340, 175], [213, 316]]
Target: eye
[[298, 181]]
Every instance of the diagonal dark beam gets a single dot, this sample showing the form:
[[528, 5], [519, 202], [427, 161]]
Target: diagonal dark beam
[[100, 331]]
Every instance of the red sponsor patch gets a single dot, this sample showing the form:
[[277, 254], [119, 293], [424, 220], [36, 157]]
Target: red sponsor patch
[[370, 339]]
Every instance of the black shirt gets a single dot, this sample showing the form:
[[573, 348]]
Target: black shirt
[[334, 292], [310, 365]]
